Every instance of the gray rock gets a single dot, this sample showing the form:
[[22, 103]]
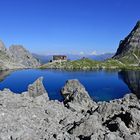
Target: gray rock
[[16, 57], [88, 126], [112, 136], [20, 55], [37, 88], [34, 117], [129, 48], [2, 47], [76, 97]]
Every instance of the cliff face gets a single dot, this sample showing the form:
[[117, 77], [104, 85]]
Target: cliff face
[[4, 57], [16, 57], [20, 55], [2, 47], [129, 48]]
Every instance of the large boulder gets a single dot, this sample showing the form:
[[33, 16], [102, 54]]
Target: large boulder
[[76, 97], [37, 88]]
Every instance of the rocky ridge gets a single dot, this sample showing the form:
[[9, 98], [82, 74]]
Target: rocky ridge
[[129, 48], [32, 116], [16, 57]]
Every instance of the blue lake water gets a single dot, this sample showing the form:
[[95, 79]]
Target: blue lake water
[[101, 85]]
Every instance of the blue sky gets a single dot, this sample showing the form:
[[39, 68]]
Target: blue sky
[[67, 26]]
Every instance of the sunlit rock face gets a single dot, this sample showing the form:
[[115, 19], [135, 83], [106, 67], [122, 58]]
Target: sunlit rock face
[[20, 55], [132, 79], [76, 97], [2, 47], [129, 48], [16, 57], [37, 88]]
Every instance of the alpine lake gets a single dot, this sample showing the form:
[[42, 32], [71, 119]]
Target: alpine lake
[[102, 85]]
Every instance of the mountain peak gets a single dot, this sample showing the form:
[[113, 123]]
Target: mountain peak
[[129, 48], [20, 54], [16, 57], [138, 22], [137, 26]]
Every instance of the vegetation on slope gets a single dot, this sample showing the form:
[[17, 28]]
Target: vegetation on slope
[[87, 64]]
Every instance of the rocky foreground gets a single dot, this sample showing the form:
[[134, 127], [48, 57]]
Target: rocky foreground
[[32, 116]]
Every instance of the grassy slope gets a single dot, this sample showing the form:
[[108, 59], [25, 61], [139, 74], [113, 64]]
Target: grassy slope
[[87, 64]]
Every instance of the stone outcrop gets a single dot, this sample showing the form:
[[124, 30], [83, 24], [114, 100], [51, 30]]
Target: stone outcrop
[[2, 47], [129, 48], [32, 116], [37, 88], [75, 96], [16, 57], [20, 55]]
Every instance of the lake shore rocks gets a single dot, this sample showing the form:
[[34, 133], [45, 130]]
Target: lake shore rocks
[[36, 89], [32, 116], [76, 97]]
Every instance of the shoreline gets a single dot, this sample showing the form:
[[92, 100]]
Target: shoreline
[[88, 64], [92, 69], [31, 115]]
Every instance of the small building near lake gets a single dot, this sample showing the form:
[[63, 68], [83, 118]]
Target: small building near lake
[[59, 58]]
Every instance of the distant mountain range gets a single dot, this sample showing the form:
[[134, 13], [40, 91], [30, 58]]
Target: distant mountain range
[[101, 57], [43, 58], [46, 58]]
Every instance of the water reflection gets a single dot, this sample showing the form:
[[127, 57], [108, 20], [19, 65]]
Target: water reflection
[[4, 74], [132, 79]]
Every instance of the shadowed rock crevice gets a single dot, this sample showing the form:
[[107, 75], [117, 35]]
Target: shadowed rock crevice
[[113, 126], [84, 137]]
